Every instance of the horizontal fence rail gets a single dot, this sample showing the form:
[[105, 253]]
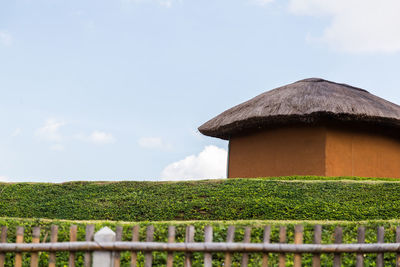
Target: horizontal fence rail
[[104, 248], [202, 247]]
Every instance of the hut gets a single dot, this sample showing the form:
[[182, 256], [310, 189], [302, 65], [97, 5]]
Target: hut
[[311, 127]]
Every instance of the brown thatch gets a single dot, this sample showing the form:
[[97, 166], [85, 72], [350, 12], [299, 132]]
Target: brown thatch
[[309, 101]]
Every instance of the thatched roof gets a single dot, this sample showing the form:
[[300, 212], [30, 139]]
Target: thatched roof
[[308, 101]]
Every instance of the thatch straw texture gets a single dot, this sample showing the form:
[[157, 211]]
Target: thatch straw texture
[[309, 101]]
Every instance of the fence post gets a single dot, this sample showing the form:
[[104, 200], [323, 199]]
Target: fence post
[[73, 232], [35, 239], [171, 239], [360, 240], [103, 258], [19, 239], [189, 238], [230, 236], [246, 239], [135, 238], [117, 254], [298, 239], [208, 237], [398, 241], [88, 237], [380, 239], [316, 262], [337, 257], [266, 240], [282, 239], [53, 239], [3, 239], [148, 256]]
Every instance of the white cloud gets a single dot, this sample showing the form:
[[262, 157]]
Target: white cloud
[[356, 25], [78, 12], [5, 38], [4, 179], [101, 138], [262, 2], [89, 25], [208, 164], [96, 137], [163, 3], [57, 147], [51, 130], [16, 132], [153, 142]]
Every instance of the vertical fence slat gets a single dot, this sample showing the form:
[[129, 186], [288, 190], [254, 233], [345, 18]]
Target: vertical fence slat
[[72, 238], [266, 240], [282, 239], [360, 240], [135, 238], [380, 239], [171, 239], [148, 261], [298, 239], [117, 254], [246, 239], [3, 239], [337, 257], [189, 238], [398, 241], [53, 239], [208, 237], [230, 236], [20, 239], [317, 240], [35, 239], [89, 237]]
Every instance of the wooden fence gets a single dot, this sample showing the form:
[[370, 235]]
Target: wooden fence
[[105, 250]]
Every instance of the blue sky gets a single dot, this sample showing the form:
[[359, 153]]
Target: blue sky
[[115, 90]]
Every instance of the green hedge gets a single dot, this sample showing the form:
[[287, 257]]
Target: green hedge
[[289, 198], [219, 235]]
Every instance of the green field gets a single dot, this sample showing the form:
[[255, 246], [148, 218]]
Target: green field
[[220, 230], [283, 198]]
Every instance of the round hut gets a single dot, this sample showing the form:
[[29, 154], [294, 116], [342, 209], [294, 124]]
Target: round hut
[[311, 127]]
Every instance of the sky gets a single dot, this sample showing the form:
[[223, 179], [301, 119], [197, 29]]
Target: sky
[[116, 89]]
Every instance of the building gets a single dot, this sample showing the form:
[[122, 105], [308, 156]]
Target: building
[[311, 127]]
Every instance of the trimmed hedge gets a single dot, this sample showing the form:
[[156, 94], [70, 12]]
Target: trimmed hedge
[[289, 198], [219, 235]]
